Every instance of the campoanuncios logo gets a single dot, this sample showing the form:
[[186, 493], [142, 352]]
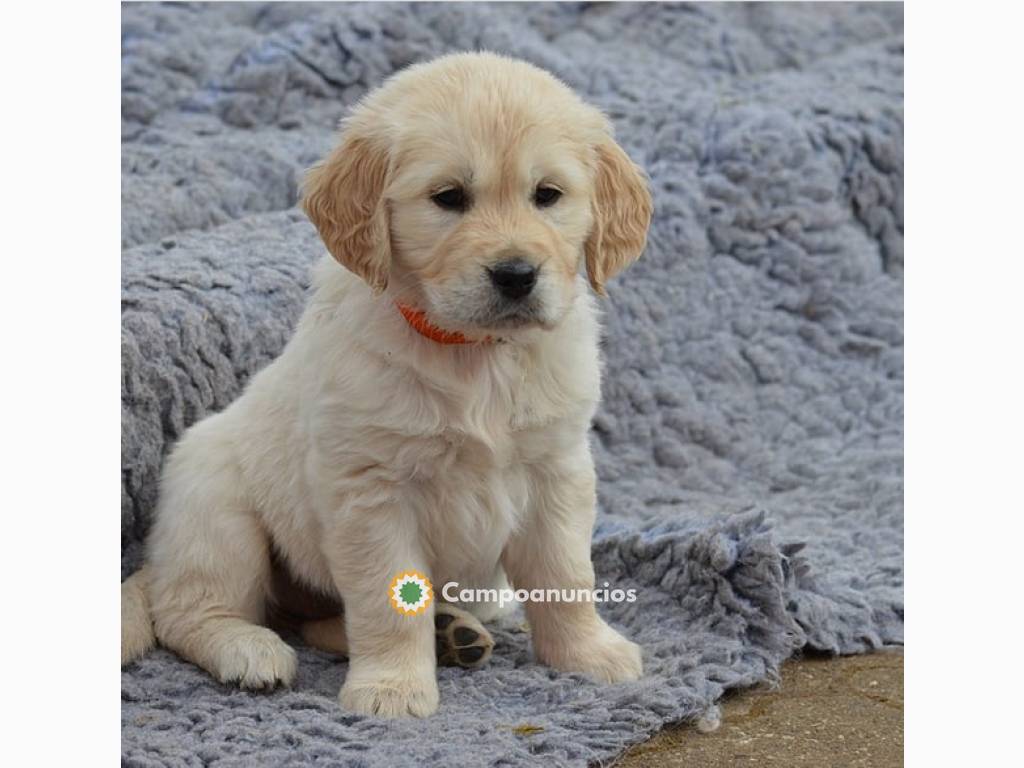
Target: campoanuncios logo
[[410, 593]]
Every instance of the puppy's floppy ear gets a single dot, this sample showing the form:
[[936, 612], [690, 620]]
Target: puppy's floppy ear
[[622, 209], [344, 198]]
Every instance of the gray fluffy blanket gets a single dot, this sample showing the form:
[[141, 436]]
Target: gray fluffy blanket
[[750, 442]]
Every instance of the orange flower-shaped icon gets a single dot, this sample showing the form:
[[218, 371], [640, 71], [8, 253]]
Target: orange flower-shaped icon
[[410, 593]]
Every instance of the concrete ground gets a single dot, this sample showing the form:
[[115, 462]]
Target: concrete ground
[[842, 712]]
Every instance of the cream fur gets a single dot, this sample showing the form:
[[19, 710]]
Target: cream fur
[[366, 449]]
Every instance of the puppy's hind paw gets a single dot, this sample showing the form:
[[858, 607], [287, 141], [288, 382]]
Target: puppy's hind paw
[[255, 658], [461, 639]]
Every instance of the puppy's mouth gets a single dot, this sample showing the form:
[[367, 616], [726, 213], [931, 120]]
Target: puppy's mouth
[[500, 319], [512, 315], [484, 311]]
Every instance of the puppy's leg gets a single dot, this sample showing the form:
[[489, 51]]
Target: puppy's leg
[[552, 551], [392, 668], [136, 619], [209, 569]]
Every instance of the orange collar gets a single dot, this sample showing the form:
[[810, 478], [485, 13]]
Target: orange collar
[[417, 319]]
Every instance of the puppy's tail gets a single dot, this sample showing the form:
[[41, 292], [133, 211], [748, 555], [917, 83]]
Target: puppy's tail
[[137, 635]]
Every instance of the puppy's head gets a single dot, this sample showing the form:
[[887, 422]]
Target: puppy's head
[[473, 186]]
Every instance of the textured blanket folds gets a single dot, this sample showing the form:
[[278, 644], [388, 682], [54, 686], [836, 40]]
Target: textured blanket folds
[[749, 446]]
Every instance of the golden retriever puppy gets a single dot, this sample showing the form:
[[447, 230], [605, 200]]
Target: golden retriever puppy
[[431, 412]]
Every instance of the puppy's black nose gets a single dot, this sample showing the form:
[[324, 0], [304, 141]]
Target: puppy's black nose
[[514, 279]]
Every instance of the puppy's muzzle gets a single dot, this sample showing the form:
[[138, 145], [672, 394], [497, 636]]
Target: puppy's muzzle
[[513, 279]]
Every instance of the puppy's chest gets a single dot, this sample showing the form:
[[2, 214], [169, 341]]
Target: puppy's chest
[[474, 498], [486, 443], [477, 490], [495, 428]]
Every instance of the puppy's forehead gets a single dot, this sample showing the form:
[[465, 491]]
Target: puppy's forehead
[[485, 124], [483, 99], [486, 145]]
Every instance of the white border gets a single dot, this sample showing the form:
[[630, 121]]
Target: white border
[[61, 329], [61, 368], [964, 382]]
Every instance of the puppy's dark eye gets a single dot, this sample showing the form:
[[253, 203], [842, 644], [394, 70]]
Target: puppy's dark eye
[[453, 199], [545, 196]]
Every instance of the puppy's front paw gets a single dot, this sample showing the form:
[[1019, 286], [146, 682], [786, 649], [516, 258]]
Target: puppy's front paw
[[603, 655], [390, 697]]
